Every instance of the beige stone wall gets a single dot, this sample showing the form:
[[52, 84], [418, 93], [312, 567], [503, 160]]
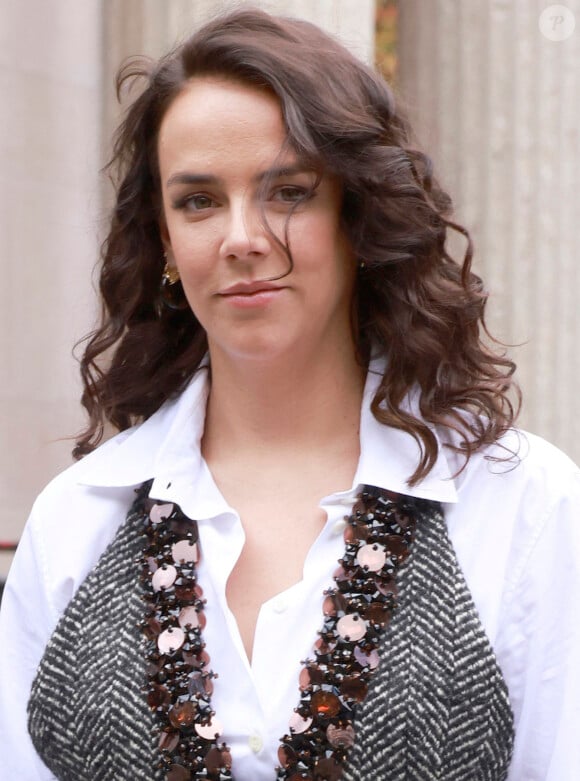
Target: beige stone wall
[[49, 206], [497, 103]]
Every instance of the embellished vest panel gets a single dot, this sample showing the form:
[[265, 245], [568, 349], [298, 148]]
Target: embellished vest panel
[[437, 707]]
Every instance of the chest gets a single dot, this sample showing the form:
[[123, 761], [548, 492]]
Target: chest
[[277, 542]]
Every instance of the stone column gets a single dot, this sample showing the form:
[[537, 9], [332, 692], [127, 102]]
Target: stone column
[[495, 101], [49, 202]]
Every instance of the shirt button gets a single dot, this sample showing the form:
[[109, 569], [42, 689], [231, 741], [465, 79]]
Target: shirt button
[[339, 527], [280, 606], [256, 743]]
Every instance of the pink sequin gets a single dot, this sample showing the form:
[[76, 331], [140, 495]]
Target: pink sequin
[[188, 615], [160, 512], [209, 731], [298, 724], [373, 557], [170, 640], [371, 659], [163, 577], [351, 627], [184, 551]]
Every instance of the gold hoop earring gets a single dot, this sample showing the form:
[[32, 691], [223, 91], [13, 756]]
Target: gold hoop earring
[[170, 274], [171, 294]]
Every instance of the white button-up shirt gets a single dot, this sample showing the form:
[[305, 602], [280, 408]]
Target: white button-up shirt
[[515, 528]]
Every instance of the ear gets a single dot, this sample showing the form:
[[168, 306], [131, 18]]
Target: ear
[[164, 234]]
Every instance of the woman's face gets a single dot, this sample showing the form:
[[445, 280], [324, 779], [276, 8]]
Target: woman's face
[[218, 141]]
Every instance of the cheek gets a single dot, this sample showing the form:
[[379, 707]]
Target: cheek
[[315, 239], [192, 246]]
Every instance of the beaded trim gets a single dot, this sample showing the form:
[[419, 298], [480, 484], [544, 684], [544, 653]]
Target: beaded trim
[[378, 536]]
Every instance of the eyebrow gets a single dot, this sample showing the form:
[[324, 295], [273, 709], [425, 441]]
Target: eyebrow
[[186, 177]]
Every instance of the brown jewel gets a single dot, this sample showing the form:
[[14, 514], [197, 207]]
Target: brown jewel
[[310, 675], [396, 546], [355, 533], [200, 685], [152, 628], [168, 740], [354, 688], [286, 755], [182, 714], [327, 769], [185, 591], [333, 604], [226, 757], [178, 773], [216, 759], [387, 587], [196, 660], [324, 646], [324, 704], [377, 613], [158, 696]]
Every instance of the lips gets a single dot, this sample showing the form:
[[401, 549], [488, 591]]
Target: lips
[[248, 288]]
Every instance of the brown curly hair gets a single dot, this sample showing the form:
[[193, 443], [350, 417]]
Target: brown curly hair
[[413, 301]]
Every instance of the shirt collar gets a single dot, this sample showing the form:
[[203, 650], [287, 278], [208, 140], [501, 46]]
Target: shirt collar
[[166, 447], [389, 456]]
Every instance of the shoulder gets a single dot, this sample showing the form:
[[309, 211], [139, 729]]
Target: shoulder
[[515, 496], [517, 514], [76, 473], [518, 463], [72, 522], [516, 531], [71, 503]]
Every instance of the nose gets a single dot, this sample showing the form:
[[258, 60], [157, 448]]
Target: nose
[[245, 234]]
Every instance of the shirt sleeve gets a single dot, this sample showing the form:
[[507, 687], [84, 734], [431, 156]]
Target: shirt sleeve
[[26, 623], [539, 644]]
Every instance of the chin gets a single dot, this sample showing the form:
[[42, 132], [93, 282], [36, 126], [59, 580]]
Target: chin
[[259, 348]]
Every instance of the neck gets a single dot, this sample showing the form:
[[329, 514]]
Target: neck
[[258, 407]]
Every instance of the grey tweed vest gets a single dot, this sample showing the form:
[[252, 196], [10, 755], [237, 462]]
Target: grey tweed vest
[[437, 708]]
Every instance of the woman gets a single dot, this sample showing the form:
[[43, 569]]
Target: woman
[[296, 367]]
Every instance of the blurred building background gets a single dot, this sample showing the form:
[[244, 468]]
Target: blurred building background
[[492, 86]]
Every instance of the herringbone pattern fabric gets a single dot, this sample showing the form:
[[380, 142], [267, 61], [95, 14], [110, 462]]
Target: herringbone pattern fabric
[[438, 706], [88, 716]]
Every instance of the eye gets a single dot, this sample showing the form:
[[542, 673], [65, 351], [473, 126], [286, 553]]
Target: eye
[[195, 203], [291, 194], [199, 202]]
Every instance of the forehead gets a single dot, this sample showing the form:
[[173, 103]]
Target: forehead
[[216, 120]]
